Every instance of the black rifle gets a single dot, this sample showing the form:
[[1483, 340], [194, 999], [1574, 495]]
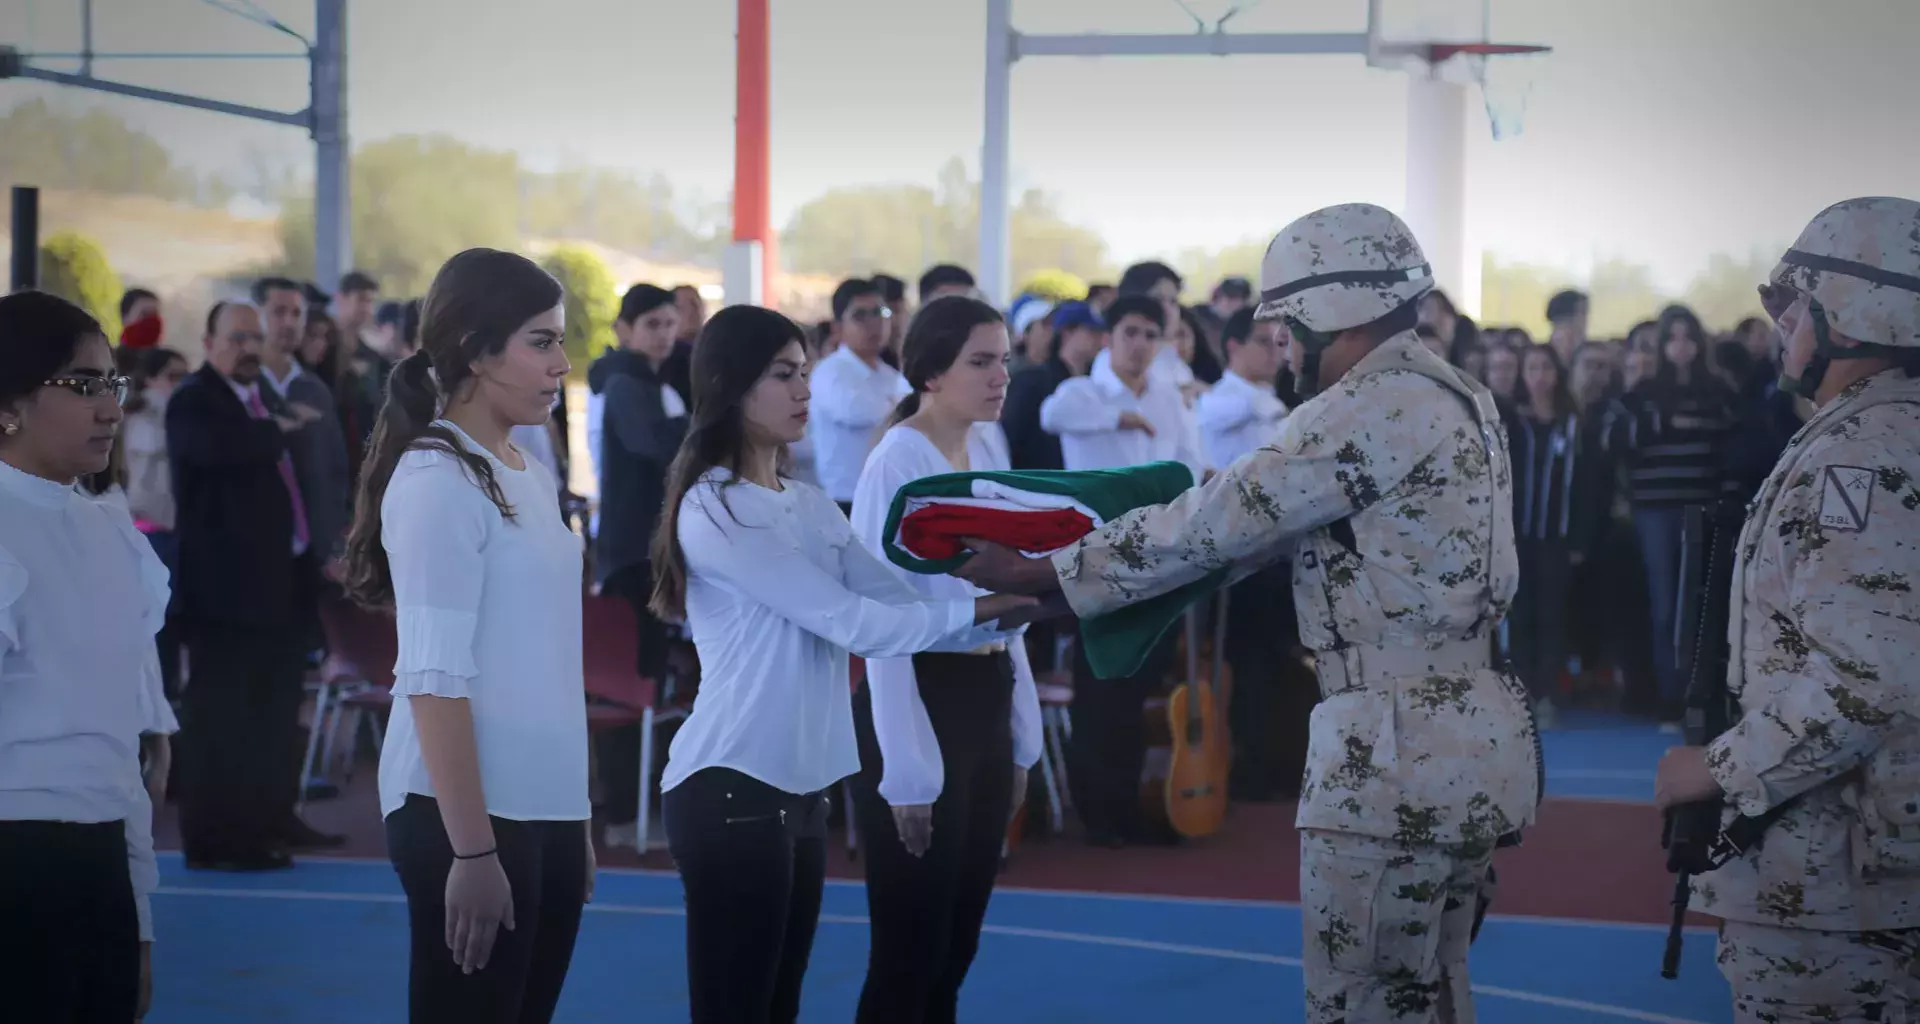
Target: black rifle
[[1694, 841]]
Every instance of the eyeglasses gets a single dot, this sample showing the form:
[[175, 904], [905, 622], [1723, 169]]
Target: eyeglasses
[[94, 387], [861, 316]]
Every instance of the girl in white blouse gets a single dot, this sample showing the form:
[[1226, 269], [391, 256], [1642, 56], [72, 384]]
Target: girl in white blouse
[[483, 776], [81, 596], [947, 735], [767, 574]]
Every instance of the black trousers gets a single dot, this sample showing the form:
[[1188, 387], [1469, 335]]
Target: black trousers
[[618, 749], [546, 866], [69, 933], [1108, 750], [753, 862], [1537, 626], [240, 739], [926, 911]]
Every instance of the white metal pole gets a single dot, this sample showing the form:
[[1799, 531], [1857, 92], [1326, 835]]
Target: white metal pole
[[1437, 184], [332, 200], [994, 273]]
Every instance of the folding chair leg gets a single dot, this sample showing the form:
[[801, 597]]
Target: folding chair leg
[[322, 698], [853, 834], [1057, 733], [643, 824], [1055, 816]]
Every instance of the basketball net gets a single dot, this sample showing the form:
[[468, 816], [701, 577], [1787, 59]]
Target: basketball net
[[1506, 83]]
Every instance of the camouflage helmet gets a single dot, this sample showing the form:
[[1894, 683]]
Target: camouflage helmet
[[1860, 260], [1341, 267]]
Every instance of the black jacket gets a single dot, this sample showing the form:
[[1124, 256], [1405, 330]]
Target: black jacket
[[1028, 445], [234, 522], [637, 442]]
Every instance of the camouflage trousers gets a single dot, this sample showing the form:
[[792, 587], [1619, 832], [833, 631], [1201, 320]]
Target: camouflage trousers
[[1798, 974], [1386, 928]]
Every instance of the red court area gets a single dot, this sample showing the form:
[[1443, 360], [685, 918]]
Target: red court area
[[1596, 860]]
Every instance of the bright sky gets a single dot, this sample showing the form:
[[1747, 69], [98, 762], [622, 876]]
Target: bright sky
[[1660, 131]]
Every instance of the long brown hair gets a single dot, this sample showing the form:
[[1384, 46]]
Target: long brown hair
[[934, 340], [731, 355], [476, 302]]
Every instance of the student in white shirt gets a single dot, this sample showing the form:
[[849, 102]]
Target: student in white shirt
[[81, 597], [1241, 412], [483, 775], [947, 735], [853, 390], [776, 591], [1120, 415]]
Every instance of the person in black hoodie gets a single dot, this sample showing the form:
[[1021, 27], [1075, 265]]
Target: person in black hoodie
[[642, 422], [1558, 513]]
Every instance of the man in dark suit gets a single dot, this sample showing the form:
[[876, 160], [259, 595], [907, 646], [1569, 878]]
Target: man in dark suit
[[243, 591]]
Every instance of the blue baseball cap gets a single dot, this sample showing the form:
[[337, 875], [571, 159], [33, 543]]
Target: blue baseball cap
[[1069, 315]]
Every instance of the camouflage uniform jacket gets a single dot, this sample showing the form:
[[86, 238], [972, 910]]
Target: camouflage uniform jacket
[[1418, 740], [1825, 640]]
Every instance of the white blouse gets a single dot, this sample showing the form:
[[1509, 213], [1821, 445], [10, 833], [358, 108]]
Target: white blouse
[[909, 751], [778, 593], [81, 596], [488, 609]]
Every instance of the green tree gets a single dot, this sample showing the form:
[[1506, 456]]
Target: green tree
[[1203, 269], [591, 302], [93, 151], [75, 268], [417, 200], [905, 228], [1727, 291]]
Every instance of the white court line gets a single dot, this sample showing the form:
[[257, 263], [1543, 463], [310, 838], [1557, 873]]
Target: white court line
[[1148, 945], [1084, 894]]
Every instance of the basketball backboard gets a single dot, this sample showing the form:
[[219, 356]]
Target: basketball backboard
[[1401, 32]]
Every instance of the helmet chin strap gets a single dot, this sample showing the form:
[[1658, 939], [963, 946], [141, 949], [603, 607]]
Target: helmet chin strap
[[1312, 343], [1807, 383]]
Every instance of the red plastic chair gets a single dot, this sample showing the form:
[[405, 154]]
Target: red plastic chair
[[356, 679], [618, 694]]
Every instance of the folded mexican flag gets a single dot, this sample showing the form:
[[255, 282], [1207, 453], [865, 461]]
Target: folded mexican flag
[[1038, 512]]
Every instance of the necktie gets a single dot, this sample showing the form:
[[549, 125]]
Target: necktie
[[300, 538]]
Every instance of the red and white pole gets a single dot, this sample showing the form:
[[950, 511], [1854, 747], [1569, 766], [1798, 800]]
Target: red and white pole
[[747, 274]]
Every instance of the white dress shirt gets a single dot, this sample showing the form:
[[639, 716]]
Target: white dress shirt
[[1085, 413], [778, 593], [488, 609], [81, 596], [1166, 365], [910, 752], [1236, 416], [850, 401]]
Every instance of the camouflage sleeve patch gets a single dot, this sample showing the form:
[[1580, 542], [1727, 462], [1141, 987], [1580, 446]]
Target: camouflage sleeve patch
[[1846, 498]]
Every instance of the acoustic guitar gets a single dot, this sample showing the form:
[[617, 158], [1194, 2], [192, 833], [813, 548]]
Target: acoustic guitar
[[1189, 794]]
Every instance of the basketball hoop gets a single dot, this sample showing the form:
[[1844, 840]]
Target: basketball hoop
[[1505, 73], [1452, 41]]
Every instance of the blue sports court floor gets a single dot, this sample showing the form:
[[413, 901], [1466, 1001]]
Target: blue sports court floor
[[326, 943]]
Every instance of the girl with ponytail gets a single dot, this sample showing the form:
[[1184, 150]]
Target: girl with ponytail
[[947, 734], [776, 591], [483, 773]]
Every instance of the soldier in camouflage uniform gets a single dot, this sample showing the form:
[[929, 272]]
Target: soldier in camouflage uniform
[[1391, 490], [1822, 919]]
